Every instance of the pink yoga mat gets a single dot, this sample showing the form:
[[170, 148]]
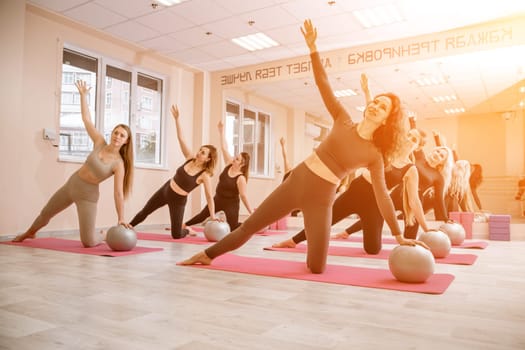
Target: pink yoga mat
[[267, 232], [145, 236], [358, 252], [271, 232], [72, 246], [467, 244], [338, 274]]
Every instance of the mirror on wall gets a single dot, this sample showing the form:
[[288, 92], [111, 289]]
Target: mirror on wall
[[476, 99]]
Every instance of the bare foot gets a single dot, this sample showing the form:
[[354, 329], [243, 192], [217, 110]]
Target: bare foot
[[103, 234], [22, 237], [200, 258], [341, 235], [191, 232], [289, 243]]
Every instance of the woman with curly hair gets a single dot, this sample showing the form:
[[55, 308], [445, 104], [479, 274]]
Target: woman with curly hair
[[311, 186]]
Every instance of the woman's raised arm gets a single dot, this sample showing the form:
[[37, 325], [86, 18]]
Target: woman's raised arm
[[184, 148], [226, 156], [92, 131], [321, 78]]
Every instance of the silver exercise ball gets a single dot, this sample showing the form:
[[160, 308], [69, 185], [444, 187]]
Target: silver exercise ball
[[215, 230], [120, 238], [220, 215], [411, 264], [438, 242], [455, 231]]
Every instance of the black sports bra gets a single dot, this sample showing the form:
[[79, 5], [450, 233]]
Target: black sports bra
[[184, 180]]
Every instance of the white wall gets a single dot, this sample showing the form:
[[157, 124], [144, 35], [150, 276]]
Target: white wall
[[31, 42], [31, 65]]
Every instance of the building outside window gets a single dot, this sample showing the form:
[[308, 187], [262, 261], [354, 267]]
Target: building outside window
[[114, 88]]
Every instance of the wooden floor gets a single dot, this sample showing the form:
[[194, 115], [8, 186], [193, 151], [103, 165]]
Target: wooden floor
[[55, 300]]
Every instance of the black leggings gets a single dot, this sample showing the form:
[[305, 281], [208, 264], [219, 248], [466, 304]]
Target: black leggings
[[230, 207], [176, 203], [397, 200], [428, 201], [358, 199]]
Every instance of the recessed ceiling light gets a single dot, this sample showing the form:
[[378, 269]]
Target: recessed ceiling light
[[411, 114], [170, 2], [255, 42], [454, 110], [345, 93], [378, 16], [447, 98], [429, 81]]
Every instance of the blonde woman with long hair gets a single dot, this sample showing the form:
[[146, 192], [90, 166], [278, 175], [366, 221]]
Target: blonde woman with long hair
[[82, 188]]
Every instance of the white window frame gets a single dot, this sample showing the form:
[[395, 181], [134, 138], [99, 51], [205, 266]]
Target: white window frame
[[268, 149], [102, 62]]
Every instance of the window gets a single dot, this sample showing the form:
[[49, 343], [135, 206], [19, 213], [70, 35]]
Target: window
[[108, 100], [74, 140], [114, 88], [248, 130], [148, 123], [68, 78], [118, 81]]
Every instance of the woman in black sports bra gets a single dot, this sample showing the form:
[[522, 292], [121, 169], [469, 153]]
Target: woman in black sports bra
[[231, 188], [174, 193]]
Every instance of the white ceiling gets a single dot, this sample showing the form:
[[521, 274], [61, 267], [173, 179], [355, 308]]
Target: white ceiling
[[179, 32]]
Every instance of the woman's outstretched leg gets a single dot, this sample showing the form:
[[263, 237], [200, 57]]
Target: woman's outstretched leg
[[58, 202]]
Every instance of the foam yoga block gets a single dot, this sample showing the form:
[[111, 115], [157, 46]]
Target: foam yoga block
[[467, 219], [499, 227]]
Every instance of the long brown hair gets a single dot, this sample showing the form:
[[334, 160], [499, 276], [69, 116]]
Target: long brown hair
[[209, 167], [245, 168], [387, 137], [126, 152]]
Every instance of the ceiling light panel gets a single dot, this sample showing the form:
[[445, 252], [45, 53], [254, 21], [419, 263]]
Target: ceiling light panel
[[454, 110], [447, 98], [430, 81], [378, 16], [253, 42], [345, 93], [170, 2]]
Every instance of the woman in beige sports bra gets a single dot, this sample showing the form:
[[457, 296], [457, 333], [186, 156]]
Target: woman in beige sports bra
[[311, 186], [82, 188]]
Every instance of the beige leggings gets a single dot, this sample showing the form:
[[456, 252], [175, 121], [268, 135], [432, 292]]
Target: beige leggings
[[85, 196], [302, 190]]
